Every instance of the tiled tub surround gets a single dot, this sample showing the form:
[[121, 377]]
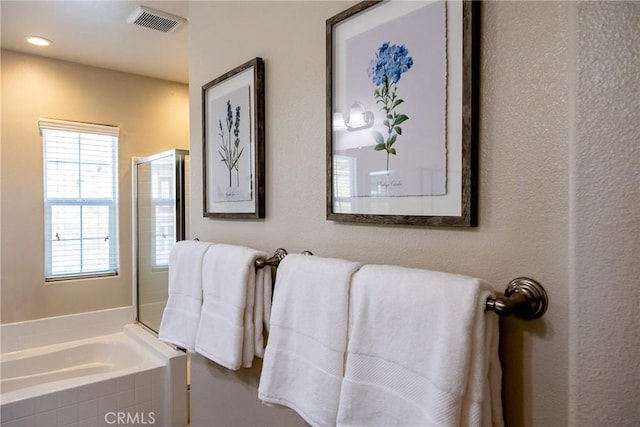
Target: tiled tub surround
[[54, 330], [128, 378]]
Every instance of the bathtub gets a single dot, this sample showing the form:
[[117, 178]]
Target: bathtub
[[127, 377], [61, 366]]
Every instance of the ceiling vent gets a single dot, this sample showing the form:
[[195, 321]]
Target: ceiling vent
[[155, 19]]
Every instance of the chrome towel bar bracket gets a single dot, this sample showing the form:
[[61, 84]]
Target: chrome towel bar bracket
[[273, 261], [525, 298]]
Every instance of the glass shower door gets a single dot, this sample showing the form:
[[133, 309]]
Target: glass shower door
[[161, 183]]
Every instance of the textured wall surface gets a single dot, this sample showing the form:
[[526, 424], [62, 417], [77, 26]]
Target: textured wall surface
[[605, 294], [523, 199], [558, 191]]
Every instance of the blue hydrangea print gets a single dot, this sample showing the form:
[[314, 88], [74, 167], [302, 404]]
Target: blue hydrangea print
[[385, 70]]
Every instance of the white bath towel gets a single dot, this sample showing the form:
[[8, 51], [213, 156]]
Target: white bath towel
[[262, 309], [231, 325], [181, 315], [304, 359], [421, 351]]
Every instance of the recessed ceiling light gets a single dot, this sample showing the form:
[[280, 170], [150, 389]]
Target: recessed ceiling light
[[38, 41]]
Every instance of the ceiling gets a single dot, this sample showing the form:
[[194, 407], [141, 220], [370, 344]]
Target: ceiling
[[95, 32]]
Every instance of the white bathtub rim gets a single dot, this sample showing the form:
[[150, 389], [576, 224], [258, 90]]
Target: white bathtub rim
[[151, 361], [143, 336]]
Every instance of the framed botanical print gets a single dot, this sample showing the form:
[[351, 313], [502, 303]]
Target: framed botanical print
[[233, 143], [401, 117]]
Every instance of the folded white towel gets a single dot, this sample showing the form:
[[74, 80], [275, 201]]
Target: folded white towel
[[262, 309], [421, 351], [181, 315], [482, 404], [230, 333], [304, 359]]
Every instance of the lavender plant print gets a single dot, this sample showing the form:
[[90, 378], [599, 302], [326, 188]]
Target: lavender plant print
[[230, 150], [232, 177]]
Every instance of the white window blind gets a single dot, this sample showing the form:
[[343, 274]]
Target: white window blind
[[344, 186], [164, 213], [344, 176], [80, 199]]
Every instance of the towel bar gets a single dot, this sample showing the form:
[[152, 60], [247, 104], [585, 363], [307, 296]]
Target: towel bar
[[273, 261], [524, 297]]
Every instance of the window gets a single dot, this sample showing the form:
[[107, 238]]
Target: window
[[344, 187], [80, 199], [164, 209]]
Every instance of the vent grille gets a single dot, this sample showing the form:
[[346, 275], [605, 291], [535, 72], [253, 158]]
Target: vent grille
[[155, 19]]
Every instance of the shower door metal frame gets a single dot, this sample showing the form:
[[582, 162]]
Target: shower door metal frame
[[181, 219]]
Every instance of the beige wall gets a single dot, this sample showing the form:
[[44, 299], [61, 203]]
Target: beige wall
[[558, 199], [152, 115], [604, 343], [540, 207]]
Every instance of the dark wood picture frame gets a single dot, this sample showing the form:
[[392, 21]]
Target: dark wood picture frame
[[468, 123], [227, 136]]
